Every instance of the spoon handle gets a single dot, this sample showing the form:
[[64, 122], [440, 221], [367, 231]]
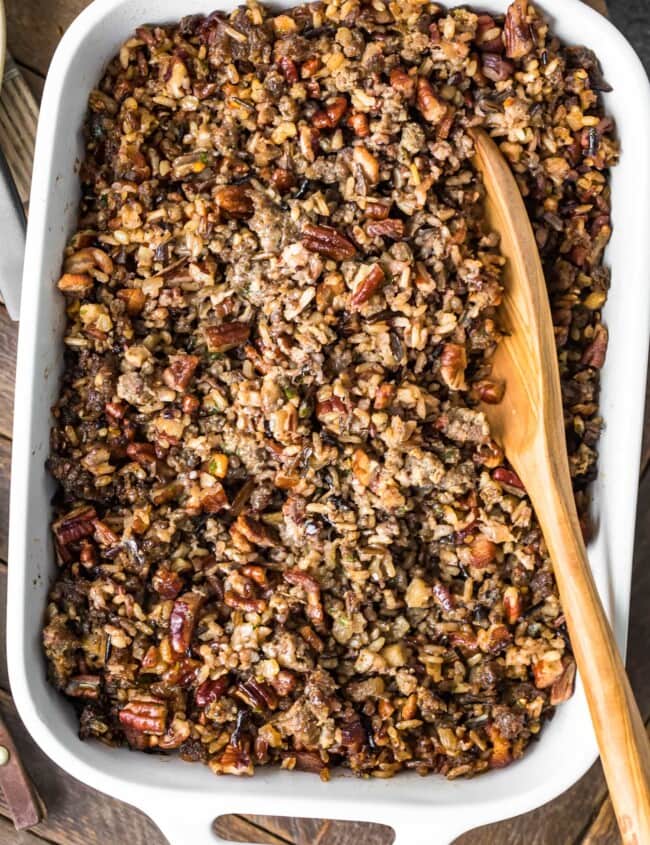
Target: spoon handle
[[619, 728]]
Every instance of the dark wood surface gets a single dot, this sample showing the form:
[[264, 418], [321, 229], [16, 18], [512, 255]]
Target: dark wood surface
[[78, 815]]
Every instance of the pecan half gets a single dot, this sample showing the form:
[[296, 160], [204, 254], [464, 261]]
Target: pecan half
[[432, 107], [234, 201], [368, 286], [183, 619], [210, 691], [453, 362], [74, 525], [258, 696], [518, 37], [327, 241], [180, 371], [389, 228], [147, 717], [227, 336], [104, 535]]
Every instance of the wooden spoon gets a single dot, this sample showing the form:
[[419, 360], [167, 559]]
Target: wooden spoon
[[529, 425]]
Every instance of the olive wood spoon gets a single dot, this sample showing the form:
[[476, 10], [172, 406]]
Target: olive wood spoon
[[529, 425]]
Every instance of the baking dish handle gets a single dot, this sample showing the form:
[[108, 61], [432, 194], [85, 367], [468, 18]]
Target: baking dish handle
[[12, 248], [193, 824], [190, 824]]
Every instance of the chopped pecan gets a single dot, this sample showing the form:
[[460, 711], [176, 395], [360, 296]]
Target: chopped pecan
[[496, 68], [254, 531], [330, 409], [147, 717], [432, 107], [190, 404], [368, 286], [167, 583], [453, 362], [507, 476], [213, 499], [297, 577], [518, 36], [180, 371], [210, 691], [402, 82], [283, 180], [88, 260], [368, 164], [234, 200], [389, 228], [246, 603], [384, 396], [594, 354], [312, 639], [305, 761], [512, 605], [183, 619], [500, 754], [488, 35], [443, 596], [331, 115], [562, 688], [547, 671], [227, 336], [83, 686], [353, 735], [176, 734], [358, 123], [235, 760], [289, 69], [284, 683], [75, 284], [255, 573], [490, 390], [482, 551], [327, 241], [258, 696], [115, 410], [134, 299], [143, 454], [74, 525], [377, 210], [104, 535]]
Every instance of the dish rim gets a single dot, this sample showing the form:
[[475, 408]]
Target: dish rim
[[330, 802]]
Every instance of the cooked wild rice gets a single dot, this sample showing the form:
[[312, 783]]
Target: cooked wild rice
[[284, 534]]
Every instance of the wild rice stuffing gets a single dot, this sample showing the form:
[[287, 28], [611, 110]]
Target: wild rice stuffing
[[284, 534]]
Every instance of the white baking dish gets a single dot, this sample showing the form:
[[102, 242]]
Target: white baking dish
[[181, 798]]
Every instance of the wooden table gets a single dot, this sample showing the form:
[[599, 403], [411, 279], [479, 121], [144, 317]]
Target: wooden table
[[78, 815]]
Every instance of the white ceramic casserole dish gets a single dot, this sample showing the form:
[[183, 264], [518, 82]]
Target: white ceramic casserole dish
[[184, 799]]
